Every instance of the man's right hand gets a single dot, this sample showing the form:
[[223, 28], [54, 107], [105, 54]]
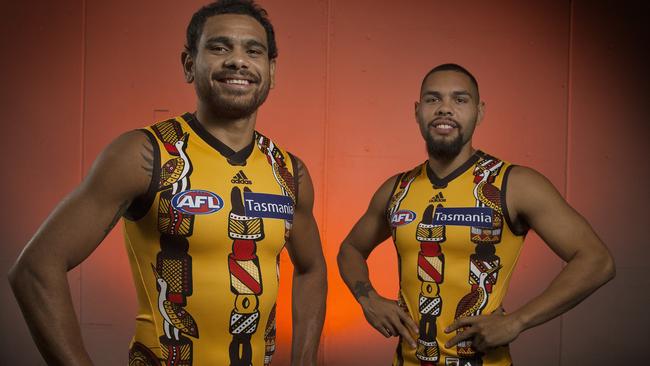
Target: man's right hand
[[388, 318]]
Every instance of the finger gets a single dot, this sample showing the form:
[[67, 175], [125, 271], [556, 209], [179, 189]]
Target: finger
[[408, 321], [404, 333], [461, 322], [499, 310], [383, 330], [461, 336], [389, 329], [479, 343], [465, 321]]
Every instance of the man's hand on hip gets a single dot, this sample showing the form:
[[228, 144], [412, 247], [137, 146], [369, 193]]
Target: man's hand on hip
[[388, 318]]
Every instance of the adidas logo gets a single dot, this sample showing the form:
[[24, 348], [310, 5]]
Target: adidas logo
[[438, 198], [241, 178]]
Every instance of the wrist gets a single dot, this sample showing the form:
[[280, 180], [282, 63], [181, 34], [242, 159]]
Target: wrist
[[362, 291], [365, 299], [519, 321]]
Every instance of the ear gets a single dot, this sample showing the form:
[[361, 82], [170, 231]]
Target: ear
[[481, 112], [272, 65], [416, 106], [188, 66]]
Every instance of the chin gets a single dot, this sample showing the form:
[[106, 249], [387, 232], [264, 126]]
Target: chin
[[236, 110]]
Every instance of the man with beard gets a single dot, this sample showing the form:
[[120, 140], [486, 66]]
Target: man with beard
[[458, 221], [208, 204]]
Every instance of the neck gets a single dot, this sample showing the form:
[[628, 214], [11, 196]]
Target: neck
[[443, 167], [236, 133]]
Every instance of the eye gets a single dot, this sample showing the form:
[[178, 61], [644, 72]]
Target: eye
[[218, 48], [254, 52], [431, 99], [461, 100]]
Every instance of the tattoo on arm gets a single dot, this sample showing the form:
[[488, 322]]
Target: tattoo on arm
[[116, 218], [361, 288], [300, 171], [147, 157]]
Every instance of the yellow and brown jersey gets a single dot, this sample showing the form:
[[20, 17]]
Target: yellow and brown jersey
[[456, 253], [204, 246]]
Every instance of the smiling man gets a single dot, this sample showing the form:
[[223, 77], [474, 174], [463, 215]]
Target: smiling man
[[458, 221], [208, 204]]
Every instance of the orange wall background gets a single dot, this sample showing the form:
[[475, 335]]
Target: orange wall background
[[566, 88]]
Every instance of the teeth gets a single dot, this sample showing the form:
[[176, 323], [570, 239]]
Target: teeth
[[237, 81], [445, 126]]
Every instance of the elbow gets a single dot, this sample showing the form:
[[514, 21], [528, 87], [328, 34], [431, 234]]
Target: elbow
[[349, 256], [12, 275], [345, 251], [609, 268], [603, 267], [341, 256], [18, 275], [316, 270], [28, 274], [313, 277]]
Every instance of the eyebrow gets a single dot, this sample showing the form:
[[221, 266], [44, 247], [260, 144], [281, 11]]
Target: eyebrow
[[220, 39], [454, 93]]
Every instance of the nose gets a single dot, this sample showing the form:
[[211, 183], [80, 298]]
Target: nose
[[444, 108], [237, 59]]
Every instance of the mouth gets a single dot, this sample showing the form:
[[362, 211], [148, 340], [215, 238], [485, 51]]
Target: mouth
[[236, 85], [234, 81], [443, 126]]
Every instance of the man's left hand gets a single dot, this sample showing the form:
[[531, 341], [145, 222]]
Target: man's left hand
[[485, 331]]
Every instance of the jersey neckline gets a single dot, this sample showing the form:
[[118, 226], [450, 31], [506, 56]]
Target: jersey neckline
[[443, 182], [233, 157]]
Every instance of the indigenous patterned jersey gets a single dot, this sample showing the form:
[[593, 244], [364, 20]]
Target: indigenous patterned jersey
[[204, 246], [456, 255]]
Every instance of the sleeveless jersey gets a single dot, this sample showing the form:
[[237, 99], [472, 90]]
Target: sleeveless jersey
[[204, 247], [456, 255]]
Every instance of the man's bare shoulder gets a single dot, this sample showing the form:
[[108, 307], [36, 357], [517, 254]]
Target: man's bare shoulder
[[524, 181], [126, 164]]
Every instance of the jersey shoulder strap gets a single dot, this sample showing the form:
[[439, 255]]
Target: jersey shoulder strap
[[401, 188]]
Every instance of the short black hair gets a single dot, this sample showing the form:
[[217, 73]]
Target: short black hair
[[457, 68], [244, 7]]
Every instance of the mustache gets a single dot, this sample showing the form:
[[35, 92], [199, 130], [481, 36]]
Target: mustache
[[236, 74]]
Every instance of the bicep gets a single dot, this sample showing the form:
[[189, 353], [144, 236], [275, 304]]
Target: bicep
[[537, 201], [82, 220]]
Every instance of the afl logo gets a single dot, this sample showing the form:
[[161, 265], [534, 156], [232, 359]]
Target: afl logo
[[402, 217], [197, 202]]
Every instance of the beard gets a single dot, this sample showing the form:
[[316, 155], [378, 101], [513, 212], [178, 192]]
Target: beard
[[443, 149], [233, 104]]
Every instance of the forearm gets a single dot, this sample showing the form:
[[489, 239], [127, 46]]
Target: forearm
[[46, 304], [354, 271], [578, 279], [309, 294]]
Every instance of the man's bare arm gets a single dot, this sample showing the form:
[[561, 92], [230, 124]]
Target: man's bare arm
[[371, 230], [309, 290], [532, 199], [70, 234]]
